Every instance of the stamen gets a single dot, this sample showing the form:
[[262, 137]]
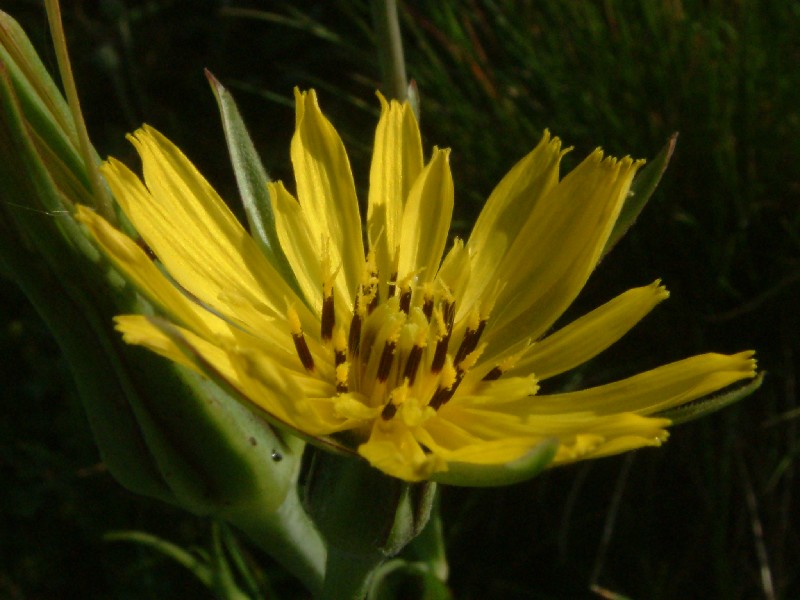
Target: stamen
[[328, 313], [442, 340], [427, 302], [405, 299], [494, 374], [339, 347], [373, 298], [504, 365], [471, 337], [385, 362], [392, 285], [439, 398], [300, 345], [447, 386], [342, 377], [388, 412], [369, 287], [412, 364], [354, 337]]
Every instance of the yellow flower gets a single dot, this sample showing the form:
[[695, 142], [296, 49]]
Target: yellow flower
[[421, 365]]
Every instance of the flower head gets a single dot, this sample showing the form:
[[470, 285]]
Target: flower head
[[421, 361]]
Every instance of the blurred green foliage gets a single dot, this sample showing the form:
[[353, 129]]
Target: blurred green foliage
[[723, 231]]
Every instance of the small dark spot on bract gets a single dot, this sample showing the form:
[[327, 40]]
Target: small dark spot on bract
[[253, 441], [277, 456]]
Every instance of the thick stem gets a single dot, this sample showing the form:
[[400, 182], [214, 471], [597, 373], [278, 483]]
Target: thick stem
[[347, 574], [289, 536]]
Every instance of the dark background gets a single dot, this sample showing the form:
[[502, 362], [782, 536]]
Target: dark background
[[713, 514]]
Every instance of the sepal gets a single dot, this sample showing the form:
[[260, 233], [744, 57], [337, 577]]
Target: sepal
[[516, 471], [704, 406], [643, 186], [252, 179]]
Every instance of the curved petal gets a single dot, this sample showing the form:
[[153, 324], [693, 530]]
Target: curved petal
[[426, 219], [655, 390], [306, 255], [396, 164], [580, 434], [558, 248], [192, 231], [589, 335], [509, 207], [326, 190], [393, 449], [250, 373], [137, 267]]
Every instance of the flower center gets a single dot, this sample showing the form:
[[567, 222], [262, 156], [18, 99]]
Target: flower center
[[403, 353]]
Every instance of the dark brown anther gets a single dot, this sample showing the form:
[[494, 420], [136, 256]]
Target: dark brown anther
[[388, 412], [443, 395], [412, 364], [385, 362], [427, 308], [405, 300], [440, 353], [339, 358], [392, 285], [303, 352], [354, 338], [147, 249], [341, 387], [449, 314], [494, 374], [328, 317], [469, 343], [440, 396]]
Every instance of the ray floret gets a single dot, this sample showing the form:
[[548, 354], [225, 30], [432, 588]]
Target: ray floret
[[425, 363]]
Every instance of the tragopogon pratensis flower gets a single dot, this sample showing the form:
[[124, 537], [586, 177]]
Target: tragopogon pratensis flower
[[420, 364]]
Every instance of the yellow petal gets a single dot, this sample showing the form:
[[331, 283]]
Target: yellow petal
[[394, 450], [558, 248], [655, 390], [192, 231], [325, 188], [138, 330], [589, 335], [426, 219], [510, 205], [396, 164], [137, 267], [305, 253]]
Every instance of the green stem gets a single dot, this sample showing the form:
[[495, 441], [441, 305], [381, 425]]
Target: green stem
[[102, 197], [390, 49], [347, 574], [287, 535]]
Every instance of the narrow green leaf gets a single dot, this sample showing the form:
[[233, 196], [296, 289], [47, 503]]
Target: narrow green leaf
[[522, 469], [214, 574], [704, 406], [251, 178], [642, 188], [16, 49]]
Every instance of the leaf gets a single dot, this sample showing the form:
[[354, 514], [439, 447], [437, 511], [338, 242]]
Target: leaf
[[251, 178], [642, 188]]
